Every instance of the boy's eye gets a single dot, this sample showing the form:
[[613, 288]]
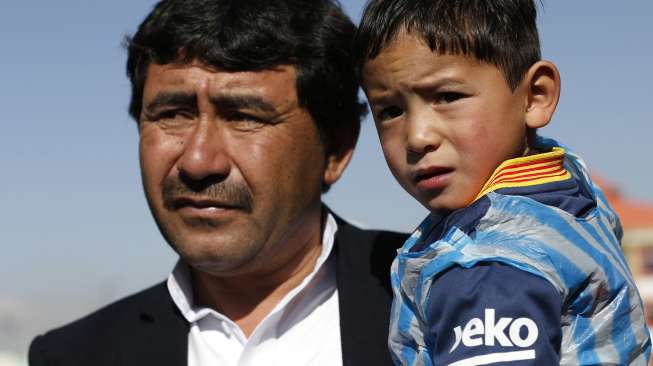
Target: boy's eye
[[448, 97], [389, 113]]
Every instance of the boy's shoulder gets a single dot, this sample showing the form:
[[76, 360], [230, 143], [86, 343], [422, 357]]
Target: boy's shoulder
[[534, 215], [506, 211]]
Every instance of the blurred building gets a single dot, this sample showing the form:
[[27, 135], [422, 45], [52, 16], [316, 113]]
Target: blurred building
[[10, 359], [637, 222]]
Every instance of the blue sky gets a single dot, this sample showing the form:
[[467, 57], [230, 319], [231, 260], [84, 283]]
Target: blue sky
[[75, 228]]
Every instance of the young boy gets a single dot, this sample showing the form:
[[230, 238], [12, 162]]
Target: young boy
[[519, 262]]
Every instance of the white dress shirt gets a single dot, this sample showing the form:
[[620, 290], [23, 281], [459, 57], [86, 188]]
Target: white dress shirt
[[303, 329]]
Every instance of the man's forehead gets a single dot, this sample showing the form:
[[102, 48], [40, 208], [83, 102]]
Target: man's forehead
[[272, 90], [198, 76]]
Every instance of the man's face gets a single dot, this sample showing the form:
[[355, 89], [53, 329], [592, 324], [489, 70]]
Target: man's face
[[445, 121], [232, 166]]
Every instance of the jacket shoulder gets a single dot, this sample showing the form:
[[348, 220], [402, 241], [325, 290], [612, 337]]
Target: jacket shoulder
[[373, 250], [87, 339], [363, 260], [364, 238]]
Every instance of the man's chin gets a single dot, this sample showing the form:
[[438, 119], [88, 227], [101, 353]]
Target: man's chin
[[217, 258], [220, 267]]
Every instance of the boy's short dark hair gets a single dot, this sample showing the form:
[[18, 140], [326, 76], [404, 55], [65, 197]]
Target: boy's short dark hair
[[315, 36], [499, 32]]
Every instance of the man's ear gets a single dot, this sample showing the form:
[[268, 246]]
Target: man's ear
[[543, 92], [340, 151]]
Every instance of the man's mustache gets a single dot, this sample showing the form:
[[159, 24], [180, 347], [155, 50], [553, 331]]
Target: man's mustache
[[226, 193]]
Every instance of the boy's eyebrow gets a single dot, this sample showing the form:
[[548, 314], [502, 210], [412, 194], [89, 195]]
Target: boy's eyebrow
[[383, 99], [387, 96], [439, 83], [381, 95], [185, 99]]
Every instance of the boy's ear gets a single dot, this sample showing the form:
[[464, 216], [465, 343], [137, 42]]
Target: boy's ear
[[543, 93]]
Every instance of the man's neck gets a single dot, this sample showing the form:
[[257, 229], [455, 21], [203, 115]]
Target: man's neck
[[248, 299]]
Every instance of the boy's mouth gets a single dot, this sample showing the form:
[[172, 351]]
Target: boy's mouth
[[432, 178]]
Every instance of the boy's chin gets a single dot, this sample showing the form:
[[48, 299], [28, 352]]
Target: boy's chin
[[442, 207], [440, 212]]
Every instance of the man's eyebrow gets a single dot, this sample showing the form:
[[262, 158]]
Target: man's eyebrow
[[172, 99], [244, 101]]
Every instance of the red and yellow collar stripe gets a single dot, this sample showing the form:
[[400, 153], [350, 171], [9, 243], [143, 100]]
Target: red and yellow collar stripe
[[528, 171]]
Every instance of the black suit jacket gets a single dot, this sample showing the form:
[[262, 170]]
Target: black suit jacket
[[148, 329]]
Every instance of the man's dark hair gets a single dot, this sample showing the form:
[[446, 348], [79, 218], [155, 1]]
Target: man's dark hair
[[499, 32], [248, 35]]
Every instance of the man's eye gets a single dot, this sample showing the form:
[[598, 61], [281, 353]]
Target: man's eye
[[168, 115], [449, 97], [245, 117], [171, 114], [389, 113]]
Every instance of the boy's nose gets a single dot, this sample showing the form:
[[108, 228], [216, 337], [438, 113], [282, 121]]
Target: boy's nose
[[422, 135]]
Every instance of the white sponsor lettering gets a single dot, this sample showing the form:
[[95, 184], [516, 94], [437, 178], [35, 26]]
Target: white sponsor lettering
[[496, 330], [531, 332], [496, 358], [473, 328], [489, 332]]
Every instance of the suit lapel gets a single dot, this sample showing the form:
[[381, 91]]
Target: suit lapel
[[364, 296], [161, 337]]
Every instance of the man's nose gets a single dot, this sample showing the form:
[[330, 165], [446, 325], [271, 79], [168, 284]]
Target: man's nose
[[205, 152], [422, 133]]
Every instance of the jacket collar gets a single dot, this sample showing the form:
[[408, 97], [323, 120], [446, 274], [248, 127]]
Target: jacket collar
[[528, 171], [161, 337], [363, 260]]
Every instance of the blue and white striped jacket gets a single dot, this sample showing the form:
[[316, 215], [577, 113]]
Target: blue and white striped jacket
[[577, 252]]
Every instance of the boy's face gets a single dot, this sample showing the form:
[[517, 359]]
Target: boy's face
[[445, 121]]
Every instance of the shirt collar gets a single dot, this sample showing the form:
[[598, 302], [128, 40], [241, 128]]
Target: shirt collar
[[528, 171], [525, 171], [181, 290]]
